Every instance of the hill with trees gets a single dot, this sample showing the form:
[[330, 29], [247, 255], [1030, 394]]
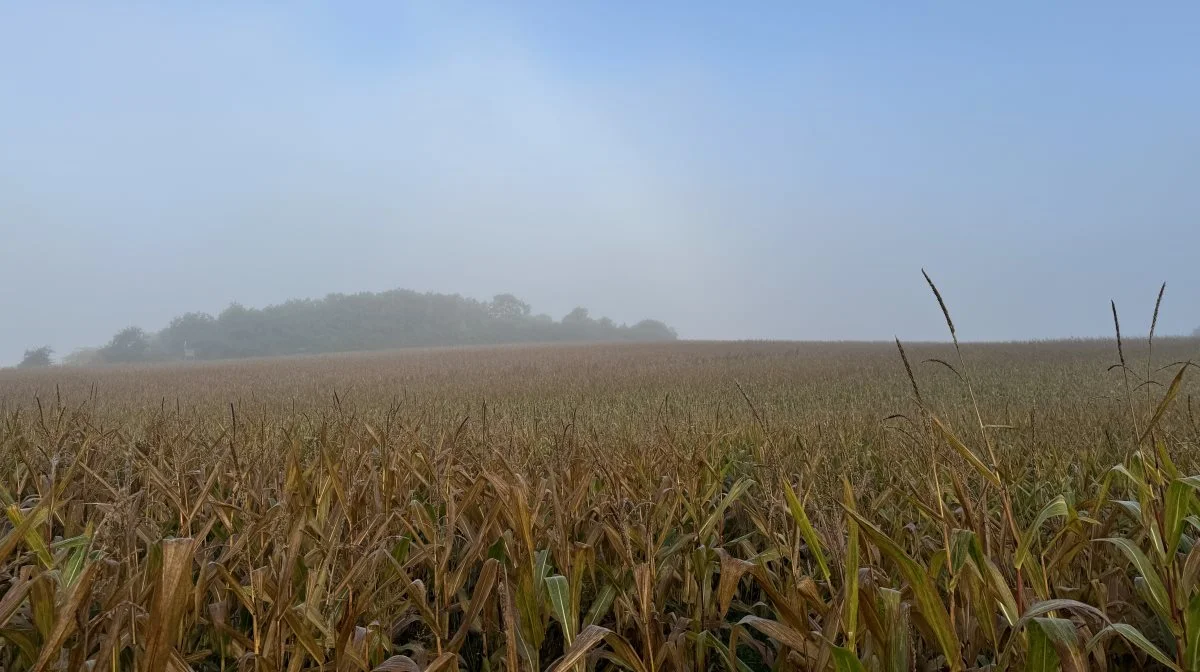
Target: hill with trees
[[37, 357], [364, 321]]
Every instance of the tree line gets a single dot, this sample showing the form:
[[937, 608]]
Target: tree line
[[352, 322]]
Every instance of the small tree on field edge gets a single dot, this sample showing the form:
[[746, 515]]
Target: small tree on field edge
[[37, 357], [128, 345]]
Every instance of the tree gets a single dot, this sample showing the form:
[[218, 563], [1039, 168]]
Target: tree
[[362, 321], [83, 357], [508, 306], [128, 345], [197, 332], [577, 316], [652, 330], [37, 357]]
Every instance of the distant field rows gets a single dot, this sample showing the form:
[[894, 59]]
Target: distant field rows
[[644, 506]]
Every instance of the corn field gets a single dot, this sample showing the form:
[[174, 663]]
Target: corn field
[[686, 506]]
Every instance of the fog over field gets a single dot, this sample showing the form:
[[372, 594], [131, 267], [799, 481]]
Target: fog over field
[[599, 337], [778, 173]]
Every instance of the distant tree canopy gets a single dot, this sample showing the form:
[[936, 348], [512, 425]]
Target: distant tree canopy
[[83, 357], [366, 321], [130, 344], [37, 357]]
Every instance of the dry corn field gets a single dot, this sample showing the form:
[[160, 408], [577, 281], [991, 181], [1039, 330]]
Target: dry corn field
[[685, 506]]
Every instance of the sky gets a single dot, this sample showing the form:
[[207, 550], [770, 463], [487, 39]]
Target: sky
[[738, 170]]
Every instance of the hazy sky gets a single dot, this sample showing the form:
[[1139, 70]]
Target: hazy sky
[[779, 172]]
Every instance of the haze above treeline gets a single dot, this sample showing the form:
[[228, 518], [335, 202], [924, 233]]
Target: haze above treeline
[[785, 181]]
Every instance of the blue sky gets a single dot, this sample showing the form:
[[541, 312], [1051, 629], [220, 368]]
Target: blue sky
[[775, 171]]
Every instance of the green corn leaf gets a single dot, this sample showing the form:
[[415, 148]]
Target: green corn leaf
[[844, 660], [775, 630], [24, 528], [400, 550], [1042, 657], [558, 592], [1157, 592], [731, 662], [998, 585], [74, 565], [1136, 638], [960, 549], [806, 528], [733, 495], [24, 640], [541, 569], [1172, 390], [928, 600], [894, 614], [600, 605], [1134, 479], [1061, 604], [960, 448], [1064, 637], [1164, 460], [1191, 619], [1134, 509], [851, 572], [1057, 508], [588, 639], [1142, 588], [1178, 506], [965, 548]]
